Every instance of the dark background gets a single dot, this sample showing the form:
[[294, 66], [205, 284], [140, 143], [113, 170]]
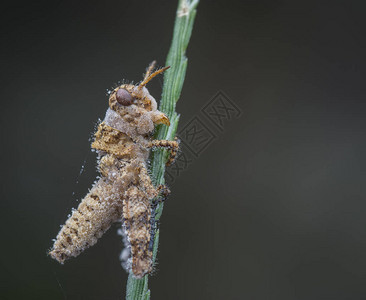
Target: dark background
[[273, 209]]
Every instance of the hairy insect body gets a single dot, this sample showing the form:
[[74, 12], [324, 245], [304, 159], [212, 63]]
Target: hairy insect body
[[124, 191], [88, 222]]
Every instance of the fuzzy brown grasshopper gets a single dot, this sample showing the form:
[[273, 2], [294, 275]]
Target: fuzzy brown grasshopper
[[124, 191]]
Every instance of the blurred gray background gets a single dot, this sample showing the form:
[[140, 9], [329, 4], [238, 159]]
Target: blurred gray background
[[273, 208]]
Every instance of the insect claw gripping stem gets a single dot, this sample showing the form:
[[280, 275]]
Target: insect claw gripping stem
[[163, 193]]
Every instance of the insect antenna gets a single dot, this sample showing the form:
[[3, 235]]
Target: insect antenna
[[149, 76], [149, 69]]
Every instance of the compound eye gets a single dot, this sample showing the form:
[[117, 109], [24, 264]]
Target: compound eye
[[123, 97]]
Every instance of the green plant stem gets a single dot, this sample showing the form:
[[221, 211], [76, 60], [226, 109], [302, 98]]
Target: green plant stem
[[137, 289]]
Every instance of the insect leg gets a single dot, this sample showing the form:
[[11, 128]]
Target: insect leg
[[173, 146], [137, 216], [163, 193], [87, 223]]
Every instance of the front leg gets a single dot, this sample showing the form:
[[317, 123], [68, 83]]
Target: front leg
[[173, 146]]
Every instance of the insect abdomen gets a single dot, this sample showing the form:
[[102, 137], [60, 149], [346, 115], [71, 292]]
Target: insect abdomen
[[86, 224]]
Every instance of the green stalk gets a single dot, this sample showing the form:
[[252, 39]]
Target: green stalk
[[137, 289]]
